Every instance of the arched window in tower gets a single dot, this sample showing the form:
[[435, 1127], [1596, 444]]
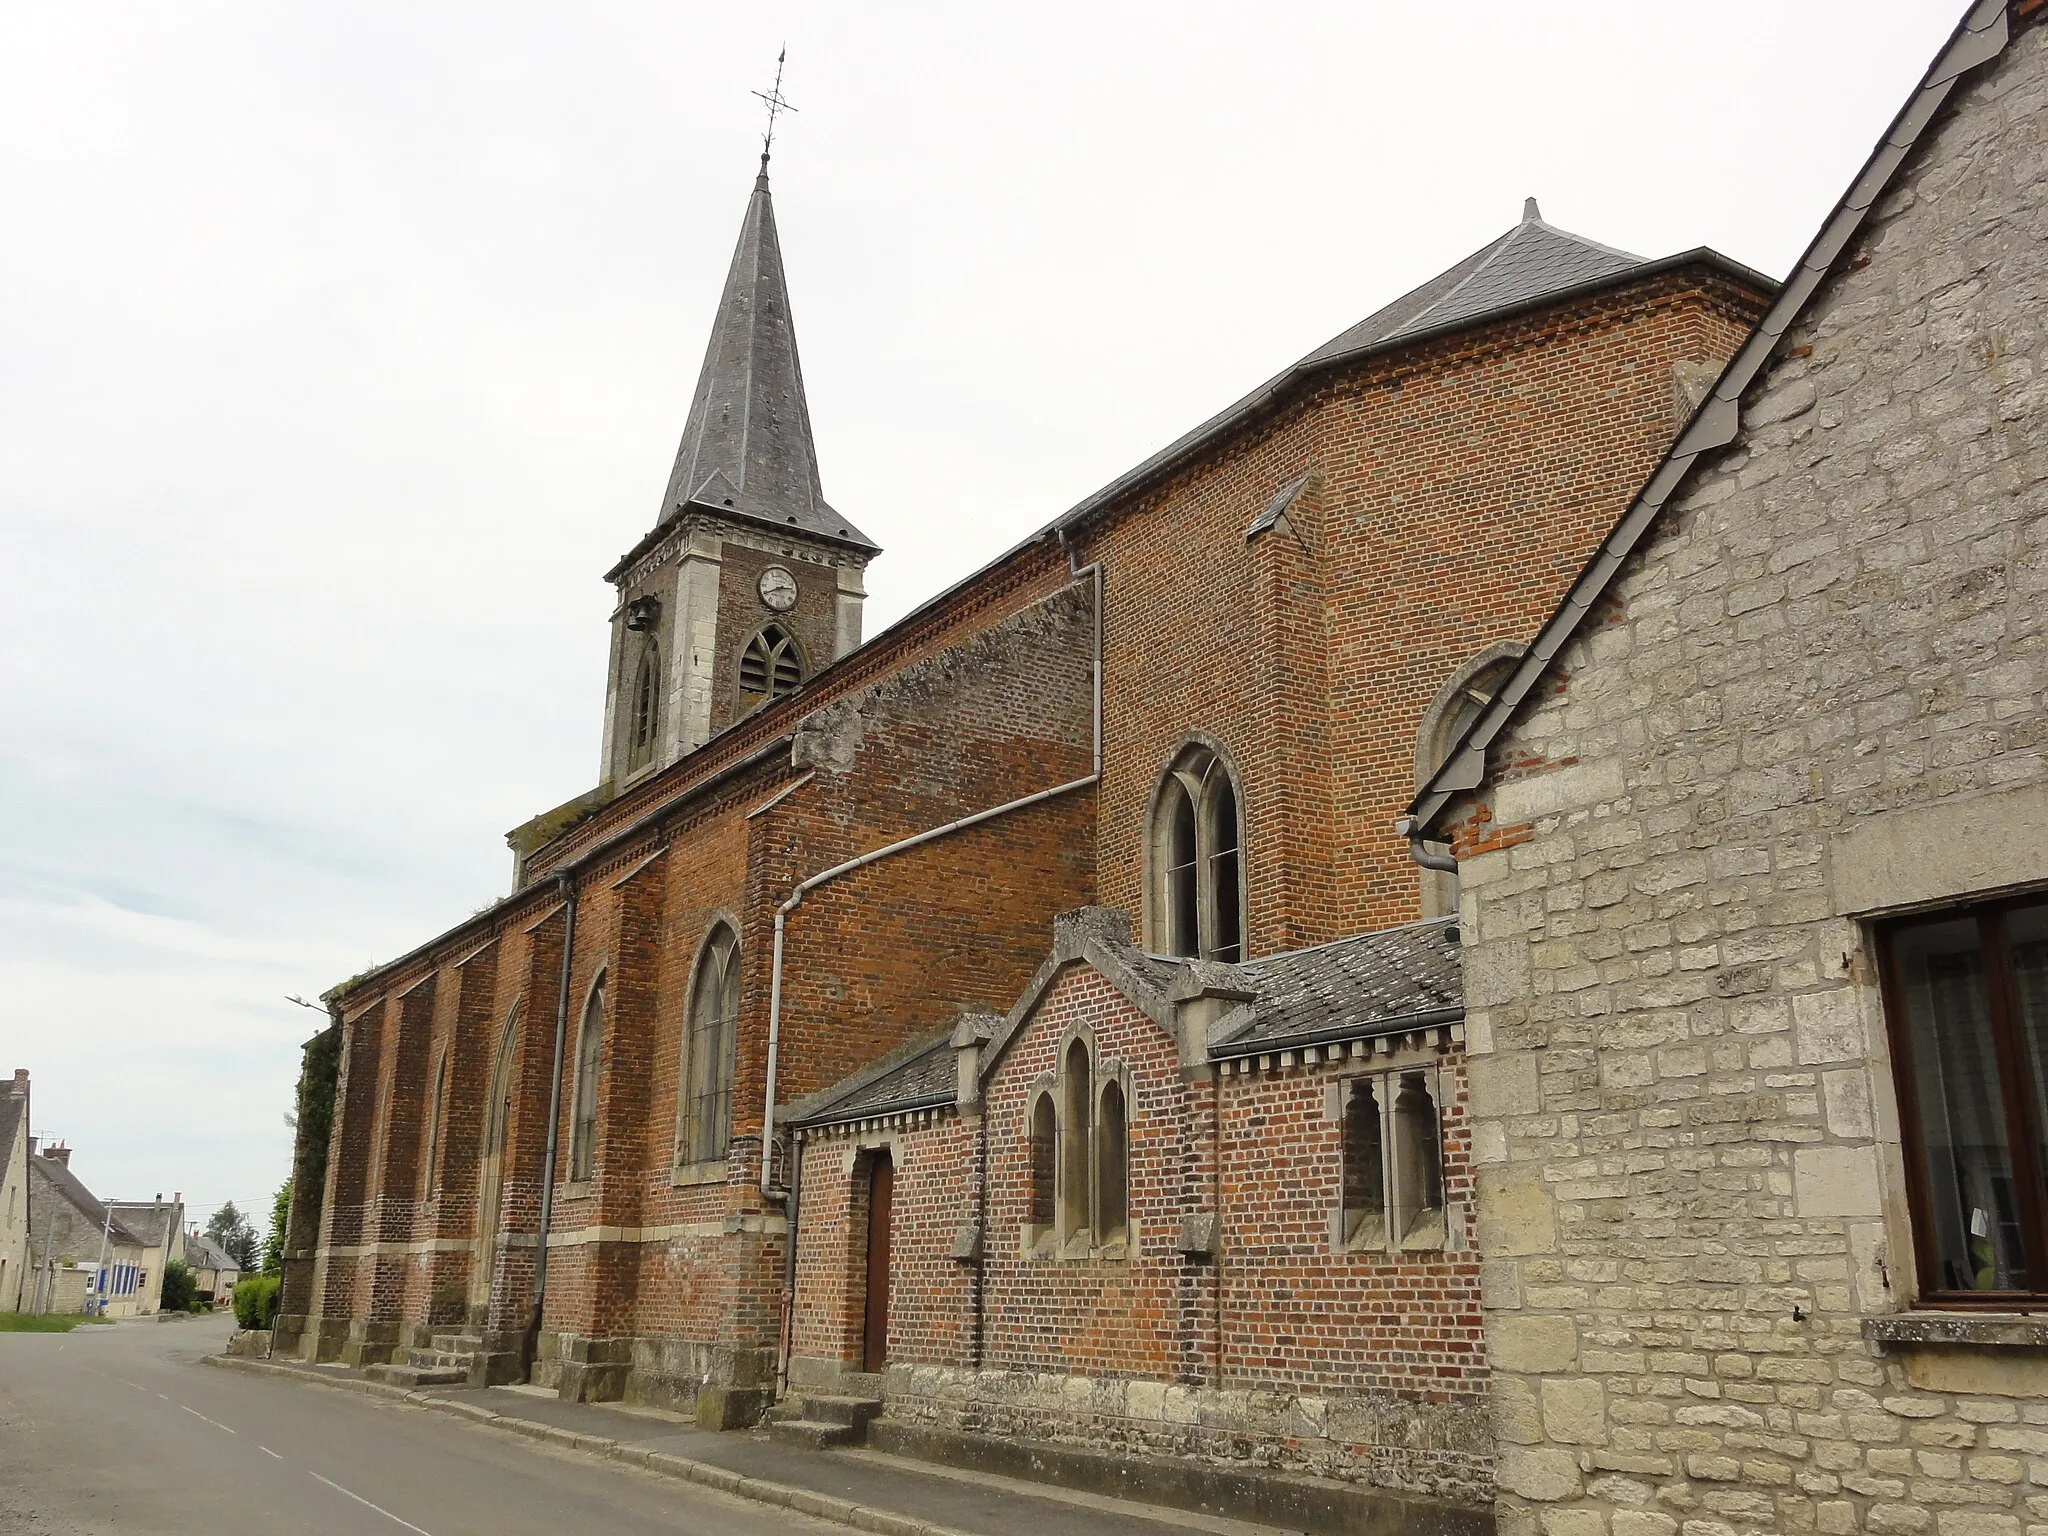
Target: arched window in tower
[[1444, 724], [583, 1113], [1195, 899], [706, 1122], [770, 666], [646, 707]]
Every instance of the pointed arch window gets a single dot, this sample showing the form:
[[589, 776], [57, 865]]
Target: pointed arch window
[[706, 1121], [1195, 903], [1112, 1165], [646, 707], [1450, 714], [771, 666], [442, 1068], [1077, 1093], [589, 1057]]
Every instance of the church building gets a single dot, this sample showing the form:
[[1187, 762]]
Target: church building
[[1027, 1021]]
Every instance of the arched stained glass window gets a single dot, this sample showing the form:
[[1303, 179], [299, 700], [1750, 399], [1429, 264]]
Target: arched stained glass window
[[1196, 899]]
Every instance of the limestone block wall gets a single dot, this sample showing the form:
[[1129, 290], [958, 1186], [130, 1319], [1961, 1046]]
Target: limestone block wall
[[1816, 695]]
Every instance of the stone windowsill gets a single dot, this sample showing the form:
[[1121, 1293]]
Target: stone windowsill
[[711, 1171], [1967, 1330]]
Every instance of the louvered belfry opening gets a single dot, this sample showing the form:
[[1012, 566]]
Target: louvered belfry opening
[[770, 667]]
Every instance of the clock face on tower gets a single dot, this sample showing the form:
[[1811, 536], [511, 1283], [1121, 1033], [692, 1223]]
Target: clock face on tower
[[778, 589]]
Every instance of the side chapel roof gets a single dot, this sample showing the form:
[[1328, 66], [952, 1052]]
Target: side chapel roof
[[1390, 982], [1978, 38]]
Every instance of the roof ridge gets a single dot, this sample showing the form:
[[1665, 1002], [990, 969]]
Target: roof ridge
[[1499, 249]]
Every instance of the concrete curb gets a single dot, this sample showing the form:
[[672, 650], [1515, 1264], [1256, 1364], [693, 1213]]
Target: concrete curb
[[860, 1516]]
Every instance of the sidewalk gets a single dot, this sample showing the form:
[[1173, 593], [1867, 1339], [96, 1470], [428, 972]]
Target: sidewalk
[[862, 1488]]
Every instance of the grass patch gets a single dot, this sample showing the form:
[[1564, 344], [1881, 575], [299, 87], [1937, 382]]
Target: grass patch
[[55, 1322]]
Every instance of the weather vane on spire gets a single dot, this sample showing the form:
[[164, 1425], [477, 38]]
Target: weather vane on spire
[[776, 105]]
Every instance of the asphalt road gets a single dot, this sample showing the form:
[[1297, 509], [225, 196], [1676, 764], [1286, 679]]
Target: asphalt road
[[120, 1429]]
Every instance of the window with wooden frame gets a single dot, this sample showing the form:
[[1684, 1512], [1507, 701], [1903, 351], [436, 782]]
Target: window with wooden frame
[[705, 1125], [1966, 1001], [771, 666], [646, 707], [1392, 1183], [583, 1102], [1195, 902]]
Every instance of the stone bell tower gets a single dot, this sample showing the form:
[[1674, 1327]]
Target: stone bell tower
[[749, 582]]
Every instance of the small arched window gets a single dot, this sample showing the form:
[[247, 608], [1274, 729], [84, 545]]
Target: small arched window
[[1196, 904], [441, 1071], [1076, 1141], [1444, 724], [1112, 1165], [583, 1117], [1044, 1160], [708, 1050], [646, 707], [771, 666]]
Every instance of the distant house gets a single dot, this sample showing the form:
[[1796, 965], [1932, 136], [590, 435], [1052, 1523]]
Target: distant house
[[214, 1271], [15, 1148], [123, 1279]]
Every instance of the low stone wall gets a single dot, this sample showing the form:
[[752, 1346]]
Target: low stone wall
[[1437, 1450]]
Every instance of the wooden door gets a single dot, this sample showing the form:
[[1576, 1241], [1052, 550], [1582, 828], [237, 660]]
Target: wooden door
[[881, 1197]]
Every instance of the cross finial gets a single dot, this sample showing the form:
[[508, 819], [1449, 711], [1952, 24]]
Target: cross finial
[[776, 106]]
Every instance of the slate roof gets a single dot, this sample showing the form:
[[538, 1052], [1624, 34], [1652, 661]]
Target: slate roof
[[72, 1189], [1532, 264], [747, 451], [916, 1074], [202, 1253], [1372, 984], [1978, 38]]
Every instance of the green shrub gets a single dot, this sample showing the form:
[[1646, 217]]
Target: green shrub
[[256, 1301], [181, 1291]]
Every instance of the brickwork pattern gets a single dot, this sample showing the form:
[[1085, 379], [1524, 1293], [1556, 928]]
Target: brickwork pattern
[[1683, 1111]]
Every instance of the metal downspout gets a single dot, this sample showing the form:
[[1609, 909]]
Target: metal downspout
[[769, 1191], [547, 1179], [796, 1165]]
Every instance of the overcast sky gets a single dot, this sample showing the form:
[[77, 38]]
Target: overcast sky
[[343, 348]]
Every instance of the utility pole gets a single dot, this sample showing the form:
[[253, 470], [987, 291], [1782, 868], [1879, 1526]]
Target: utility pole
[[99, 1278]]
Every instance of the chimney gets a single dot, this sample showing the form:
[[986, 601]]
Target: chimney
[[21, 1082], [59, 1154]]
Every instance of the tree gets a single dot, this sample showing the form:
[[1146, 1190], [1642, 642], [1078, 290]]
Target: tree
[[181, 1291], [280, 1214], [230, 1229]]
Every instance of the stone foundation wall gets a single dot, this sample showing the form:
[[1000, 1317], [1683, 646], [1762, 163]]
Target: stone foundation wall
[[1434, 1449]]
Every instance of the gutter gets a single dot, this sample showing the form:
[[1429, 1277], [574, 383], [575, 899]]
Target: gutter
[[769, 1190]]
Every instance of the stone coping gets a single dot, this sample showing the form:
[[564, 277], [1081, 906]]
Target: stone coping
[[1969, 1330]]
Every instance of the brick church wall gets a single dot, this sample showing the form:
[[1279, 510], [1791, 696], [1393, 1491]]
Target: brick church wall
[[1815, 696], [1458, 486]]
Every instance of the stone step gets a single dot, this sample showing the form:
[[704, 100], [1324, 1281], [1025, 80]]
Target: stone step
[[437, 1360], [854, 1412], [809, 1432], [458, 1343], [413, 1376]]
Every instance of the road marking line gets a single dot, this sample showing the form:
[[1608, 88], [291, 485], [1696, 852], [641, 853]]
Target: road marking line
[[266, 1450], [364, 1502], [203, 1418]]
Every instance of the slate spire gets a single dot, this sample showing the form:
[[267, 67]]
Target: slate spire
[[747, 449]]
